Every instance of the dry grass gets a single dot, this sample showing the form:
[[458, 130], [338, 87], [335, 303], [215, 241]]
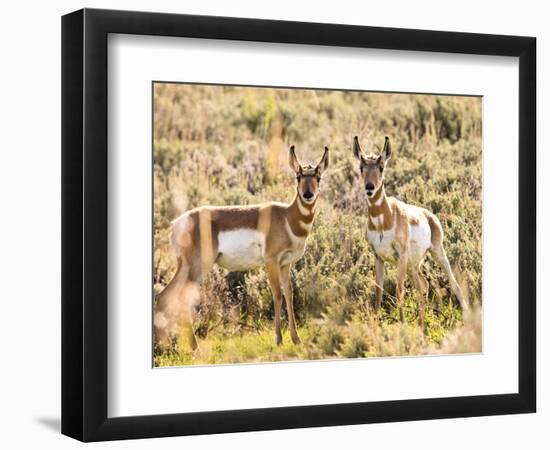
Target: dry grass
[[227, 145]]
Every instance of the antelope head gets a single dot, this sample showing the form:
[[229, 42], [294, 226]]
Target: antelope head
[[372, 166], [308, 177]]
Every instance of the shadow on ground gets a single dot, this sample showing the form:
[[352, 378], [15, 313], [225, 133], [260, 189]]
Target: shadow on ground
[[52, 423]]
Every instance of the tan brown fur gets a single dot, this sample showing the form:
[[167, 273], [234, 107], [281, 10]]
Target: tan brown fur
[[196, 246], [390, 224], [386, 208], [225, 218], [435, 227], [294, 217]]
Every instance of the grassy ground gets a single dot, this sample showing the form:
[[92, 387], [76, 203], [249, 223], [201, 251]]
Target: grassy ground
[[225, 145]]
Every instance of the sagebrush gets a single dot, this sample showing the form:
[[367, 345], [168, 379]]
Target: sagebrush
[[221, 145]]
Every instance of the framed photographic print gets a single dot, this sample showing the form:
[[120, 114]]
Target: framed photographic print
[[273, 224]]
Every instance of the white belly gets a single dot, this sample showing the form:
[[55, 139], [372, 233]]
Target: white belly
[[420, 240], [383, 243], [241, 249]]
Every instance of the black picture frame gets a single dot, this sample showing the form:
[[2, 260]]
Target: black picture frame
[[84, 224]]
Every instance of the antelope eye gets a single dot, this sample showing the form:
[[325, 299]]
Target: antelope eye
[[381, 169], [298, 177], [318, 179]]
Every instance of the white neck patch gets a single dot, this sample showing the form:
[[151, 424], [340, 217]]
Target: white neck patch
[[296, 240], [303, 210], [305, 226], [377, 220], [380, 199]]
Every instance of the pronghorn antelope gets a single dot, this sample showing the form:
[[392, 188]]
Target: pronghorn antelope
[[400, 232], [239, 238]]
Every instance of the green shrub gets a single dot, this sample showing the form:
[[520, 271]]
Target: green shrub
[[228, 145]]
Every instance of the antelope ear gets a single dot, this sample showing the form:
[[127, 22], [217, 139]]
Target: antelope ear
[[386, 152], [357, 149], [293, 161], [323, 164]]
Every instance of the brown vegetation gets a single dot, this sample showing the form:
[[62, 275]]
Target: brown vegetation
[[228, 146]]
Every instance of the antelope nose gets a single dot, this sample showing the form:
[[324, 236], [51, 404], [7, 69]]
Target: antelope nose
[[308, 195], [369, 187]]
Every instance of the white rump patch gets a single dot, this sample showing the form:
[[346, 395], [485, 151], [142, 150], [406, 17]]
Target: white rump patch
[[241, 249], [420, 240], [182, 223], [420, 235], [182, 228]]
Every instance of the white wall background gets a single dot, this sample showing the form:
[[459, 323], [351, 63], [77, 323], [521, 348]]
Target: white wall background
[[30, 222]]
